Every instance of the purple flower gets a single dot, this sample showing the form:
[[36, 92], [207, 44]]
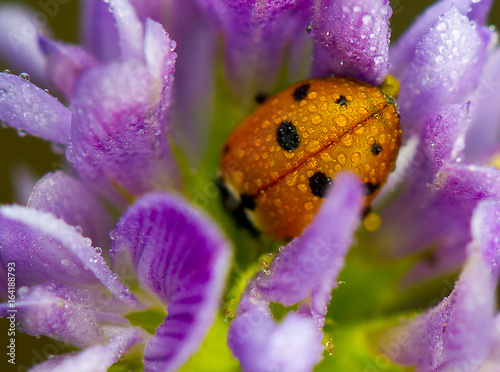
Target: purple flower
[[133, 113], [115, 133]]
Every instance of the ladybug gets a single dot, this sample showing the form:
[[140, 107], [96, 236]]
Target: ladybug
[[278, 164]]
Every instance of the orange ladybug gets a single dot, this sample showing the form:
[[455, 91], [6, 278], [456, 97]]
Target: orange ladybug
[[277, 165]]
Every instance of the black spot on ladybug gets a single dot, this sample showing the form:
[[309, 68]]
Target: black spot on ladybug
[[376, 149], [225, 150], [301, 92], [247, 202], [319, 184], [261, 97], [370, 188], [342, 101], [237, 209], [288, 138]]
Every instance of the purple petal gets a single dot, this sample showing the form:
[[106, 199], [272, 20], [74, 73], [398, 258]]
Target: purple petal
[[403, 52], [183, 259], [112, 23], [156, 10], [458, 331], [492, 364], [261, 344], [194, 78], [68, 198], [63, 313], [351, 38], [471, 183], [256, 33], [119, 145], [45, 249], [160, 58], [439, 217], [97, 358], [311, 262], [65, 63], [99, 31], [19, 40], [26, 107], [444, 137], [446, 66], [484, 132], [130, 28]]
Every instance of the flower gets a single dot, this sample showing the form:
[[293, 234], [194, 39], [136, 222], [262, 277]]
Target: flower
[[138, 109]]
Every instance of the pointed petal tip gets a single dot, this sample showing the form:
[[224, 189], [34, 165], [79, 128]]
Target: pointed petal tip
[[28, 108]]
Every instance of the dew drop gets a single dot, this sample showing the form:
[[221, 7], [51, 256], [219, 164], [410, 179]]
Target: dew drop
[[25, 76], [3, 94], [98, 250], [78, 229], [7, 71], [316, 119], [23, 291], [367, 19], [341, 120], [70, 154], [65, 262]]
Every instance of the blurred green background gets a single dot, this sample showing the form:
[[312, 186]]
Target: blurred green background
[[36, 157]]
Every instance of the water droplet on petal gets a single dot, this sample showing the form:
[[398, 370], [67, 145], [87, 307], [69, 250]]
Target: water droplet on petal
[[70, 154], [65, 262], [98, 250], [25, 76], [3, 94], [23, 291]]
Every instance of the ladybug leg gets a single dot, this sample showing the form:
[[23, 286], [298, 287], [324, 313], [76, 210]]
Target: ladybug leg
[[237, 207]]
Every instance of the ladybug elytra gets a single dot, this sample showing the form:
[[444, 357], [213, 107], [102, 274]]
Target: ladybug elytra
[[277, 165]]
